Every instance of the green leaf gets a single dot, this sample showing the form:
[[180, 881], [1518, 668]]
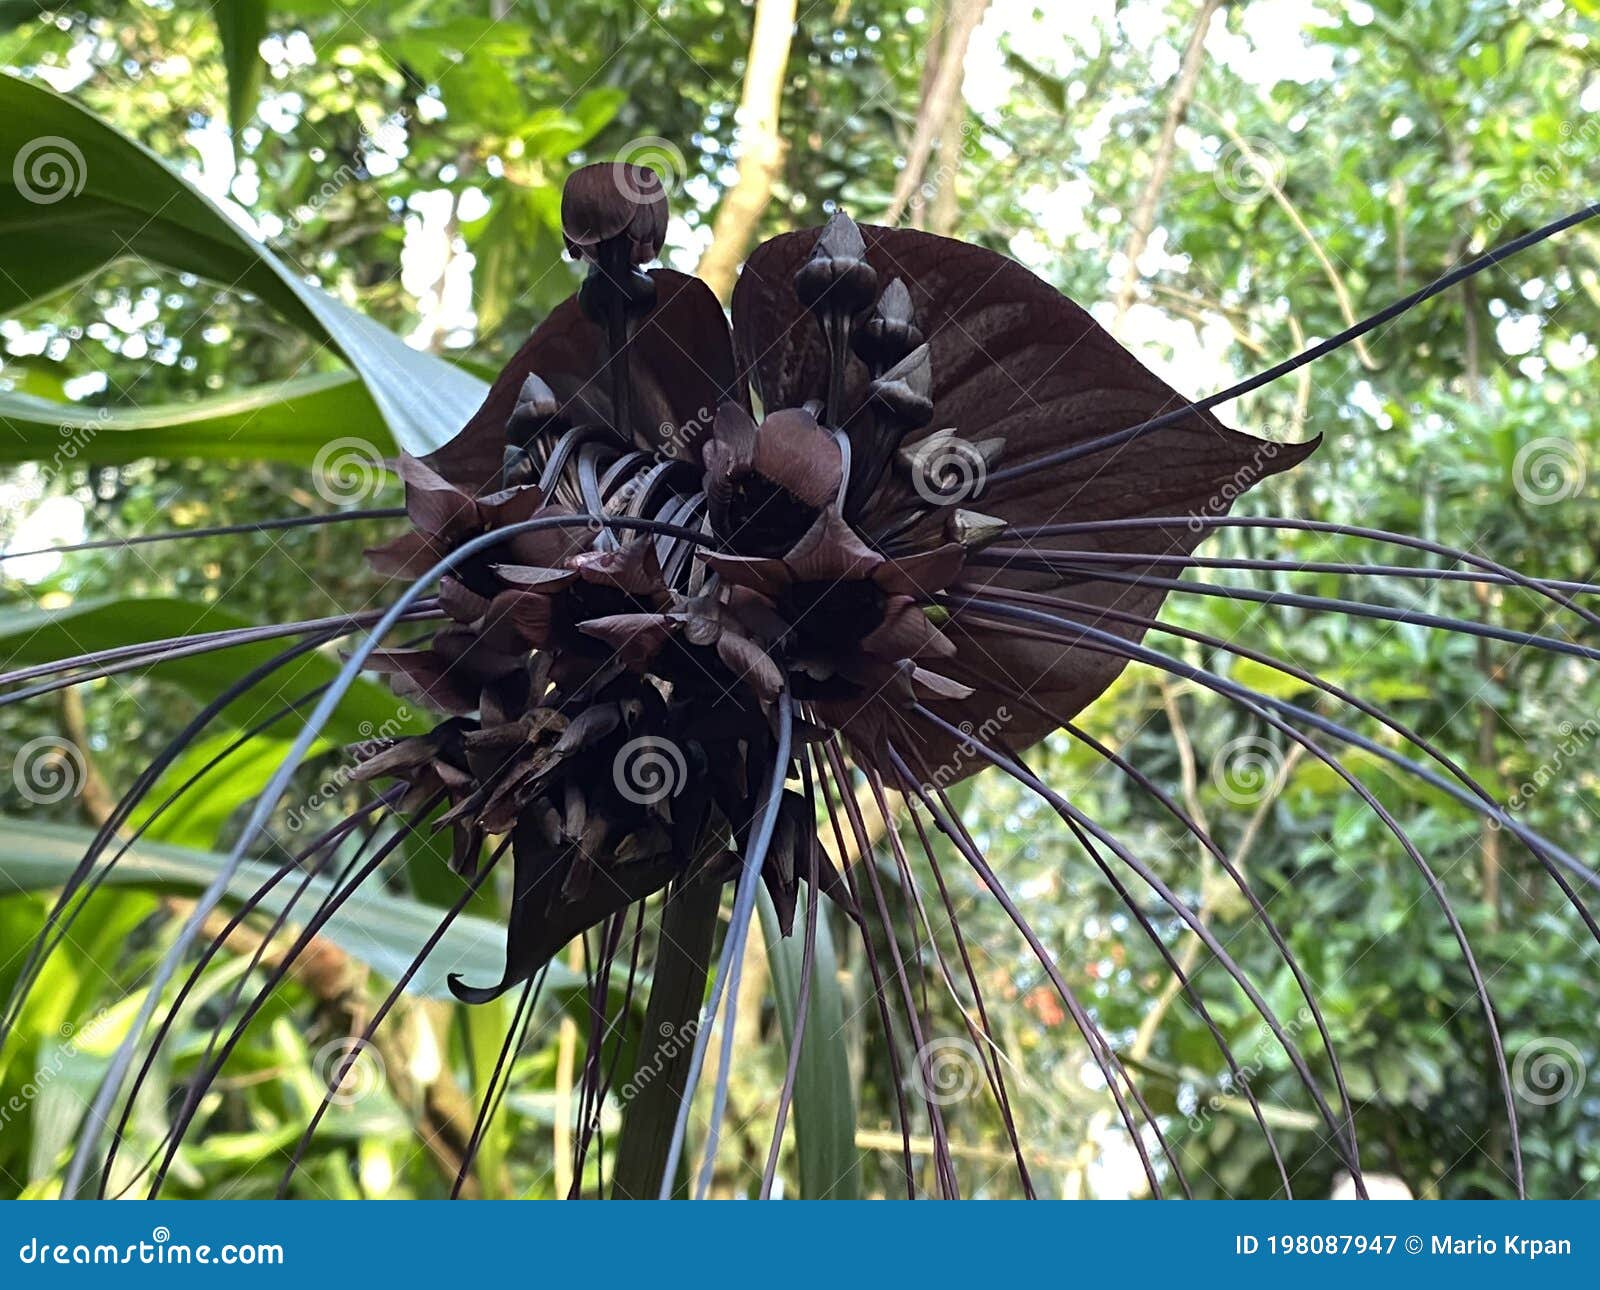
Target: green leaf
[[652, 1093], [241, 25], [44, 636], [198, 818], [286, 421], [80, 195], [382, 930], [824, 1102]]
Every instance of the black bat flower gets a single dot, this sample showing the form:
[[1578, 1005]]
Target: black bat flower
[[894, 370], [700, 580]]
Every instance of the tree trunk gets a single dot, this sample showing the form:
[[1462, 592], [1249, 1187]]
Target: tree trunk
[[760, 145], [940, 104], [1144, 214]]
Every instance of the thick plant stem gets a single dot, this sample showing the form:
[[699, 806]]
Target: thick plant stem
[[940, 103], [761, 146], [677, 991], [1144, 213]]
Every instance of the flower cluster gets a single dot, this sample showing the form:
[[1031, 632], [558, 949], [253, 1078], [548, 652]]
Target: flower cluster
[[668, 576]]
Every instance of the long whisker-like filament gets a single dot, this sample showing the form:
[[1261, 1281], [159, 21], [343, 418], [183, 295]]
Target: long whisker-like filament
[[1352, 608], [1279, 370], [1340, 1128], [447, 918], [1116, 645], [127, 658], [731, 963], [802, 1007], [217, 530], [869, 951], [1198, 523], [1100, 1051]]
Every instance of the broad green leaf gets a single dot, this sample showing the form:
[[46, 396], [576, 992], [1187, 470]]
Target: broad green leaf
[[289, 421], [42, 636], [824, 1101], [197, 819], [80, 195], [382, 930], [241, 24]]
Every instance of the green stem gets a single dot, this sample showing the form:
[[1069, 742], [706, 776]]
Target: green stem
[[677, 993]]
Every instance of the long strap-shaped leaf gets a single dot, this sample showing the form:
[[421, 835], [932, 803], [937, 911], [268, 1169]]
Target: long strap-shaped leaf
[[283, 421], [80, 195], [824, 1103], [377, 928]]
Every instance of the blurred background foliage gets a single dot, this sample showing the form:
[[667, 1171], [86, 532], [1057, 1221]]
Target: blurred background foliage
[[1302, 163]]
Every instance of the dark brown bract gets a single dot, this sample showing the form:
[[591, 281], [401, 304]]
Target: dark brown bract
[[780, 510]]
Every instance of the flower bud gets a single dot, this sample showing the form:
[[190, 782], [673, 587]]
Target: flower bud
[[891, 332], [611, 200], [837, 277]]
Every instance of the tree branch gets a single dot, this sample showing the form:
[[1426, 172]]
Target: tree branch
[[760, 145], [940, 102], [1144, 212]]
